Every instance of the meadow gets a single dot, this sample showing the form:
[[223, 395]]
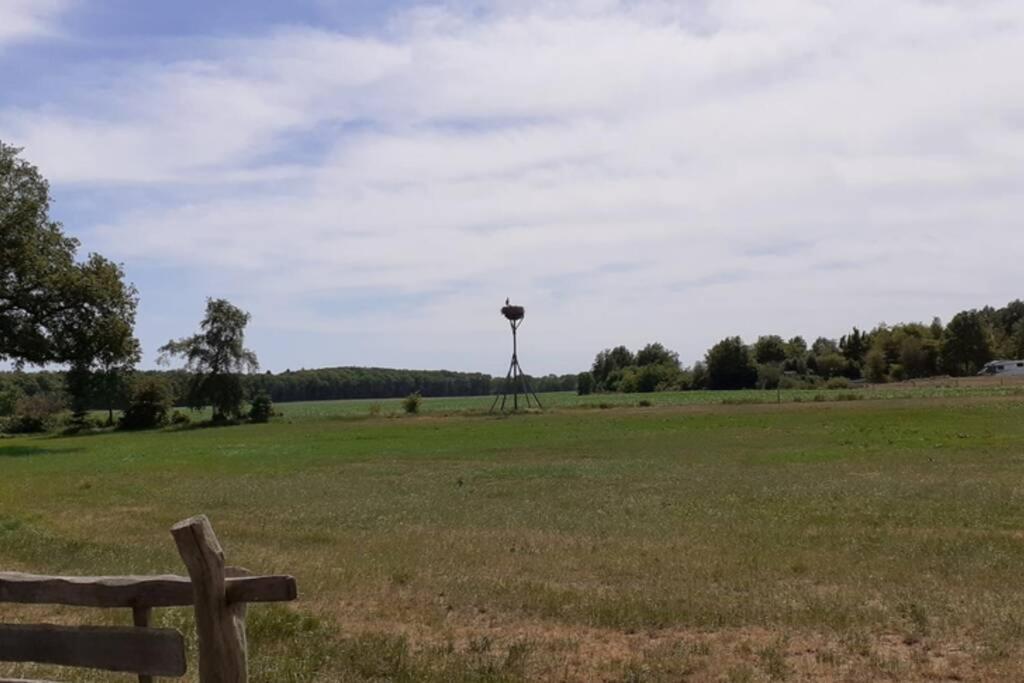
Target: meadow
[[704, 537], [478, 405]]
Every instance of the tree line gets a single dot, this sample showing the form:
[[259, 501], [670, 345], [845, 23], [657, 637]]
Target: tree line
[[885, 353], [58, 309], [323, 384]]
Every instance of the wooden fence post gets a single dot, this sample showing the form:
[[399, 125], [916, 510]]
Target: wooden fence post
[[142, 616], [219, 624]]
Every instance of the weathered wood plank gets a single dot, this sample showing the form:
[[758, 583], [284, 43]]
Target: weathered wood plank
[[151, 651], [134, 591], [262, 589], [141, 617], [219, 624]]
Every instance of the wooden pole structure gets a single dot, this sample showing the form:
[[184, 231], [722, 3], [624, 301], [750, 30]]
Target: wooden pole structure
[[515, 380], [141, 617], [219, 624]]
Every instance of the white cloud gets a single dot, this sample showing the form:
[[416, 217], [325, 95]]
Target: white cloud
[[27, 19], [540, 152]]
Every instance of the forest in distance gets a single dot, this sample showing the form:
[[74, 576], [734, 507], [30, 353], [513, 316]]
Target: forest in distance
[[72, 320], [883, 354], [323, 384]]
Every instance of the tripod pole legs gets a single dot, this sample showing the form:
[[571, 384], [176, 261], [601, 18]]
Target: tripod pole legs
[[515, 379]]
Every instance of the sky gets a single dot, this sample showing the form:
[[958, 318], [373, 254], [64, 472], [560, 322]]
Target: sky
[[371, 179]]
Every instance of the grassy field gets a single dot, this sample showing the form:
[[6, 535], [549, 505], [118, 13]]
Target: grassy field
[[963, 388], [852, 540]]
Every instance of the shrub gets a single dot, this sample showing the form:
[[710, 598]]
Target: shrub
[[262, 408], [838, 383], [768, 376], [375, 409], [33, 414], [411, 403], [584, 384], [84, 423], [180, 418], [625, 380], [875, 366], [148, 406], [9, 397], [741, 401], [644, 403], [657, 377], [787, 382], [897, 373], [831, 365]]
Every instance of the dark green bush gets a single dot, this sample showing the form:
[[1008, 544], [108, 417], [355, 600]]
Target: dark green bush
[[9, 396], [262, 408], [180, 418], [787, 382], [838, 383], [730, 365], [34, 414], [584, 384], [148, 407], [411, 403], [769, 375]]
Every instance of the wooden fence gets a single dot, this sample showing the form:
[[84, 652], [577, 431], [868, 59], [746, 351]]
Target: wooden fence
[[218, 593]]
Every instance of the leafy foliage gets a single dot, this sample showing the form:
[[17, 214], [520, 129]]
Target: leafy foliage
[[9, 395], [149, 406], [656, 354], [262, 408], [52, 308], [216, 356], [730, 365], [770, 349], [411, 403], [966, 344], [33, 414], [608, 362], [36, 262]]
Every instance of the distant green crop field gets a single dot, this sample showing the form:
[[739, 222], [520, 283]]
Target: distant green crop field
[[563, 400], [846, 540]]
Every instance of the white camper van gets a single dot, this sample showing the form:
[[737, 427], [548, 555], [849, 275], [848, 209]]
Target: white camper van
[[1003, 367]]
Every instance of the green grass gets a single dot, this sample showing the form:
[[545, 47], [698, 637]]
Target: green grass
[[857, 540], [559, 400]]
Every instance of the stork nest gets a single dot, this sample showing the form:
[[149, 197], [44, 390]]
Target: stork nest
[[513, 312]]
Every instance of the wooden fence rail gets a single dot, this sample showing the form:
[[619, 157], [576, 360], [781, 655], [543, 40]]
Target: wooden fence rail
[[218, 593]]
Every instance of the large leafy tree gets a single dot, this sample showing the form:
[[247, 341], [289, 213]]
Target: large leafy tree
[[95, 336], [36, 264], [608, 362], [656, 354], [966, 343], [730, 365], [217, 357], [854, 346], [52, 308], [770, 349]]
